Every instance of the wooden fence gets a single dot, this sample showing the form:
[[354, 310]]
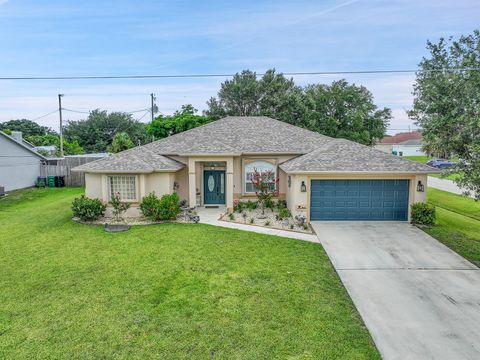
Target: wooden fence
[[64, 167]]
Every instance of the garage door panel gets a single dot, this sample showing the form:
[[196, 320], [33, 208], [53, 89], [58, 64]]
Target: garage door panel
[[359, 200]]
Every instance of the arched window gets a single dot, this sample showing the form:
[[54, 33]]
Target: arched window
[[261, 166]]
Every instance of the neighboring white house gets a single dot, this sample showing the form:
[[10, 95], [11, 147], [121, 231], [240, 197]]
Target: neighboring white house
[[402, 144], [19, 164]]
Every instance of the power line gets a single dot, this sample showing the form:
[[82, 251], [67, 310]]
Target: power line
[[173, 76], [40, 117], [76, 111], [141, 117], [88, 112]]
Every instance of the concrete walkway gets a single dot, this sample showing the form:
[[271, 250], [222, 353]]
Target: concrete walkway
[[418, 299], [211, 216], [445, 185]]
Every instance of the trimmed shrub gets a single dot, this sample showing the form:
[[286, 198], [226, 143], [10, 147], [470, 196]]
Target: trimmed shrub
[[166, 208], [88, 209], [238, 206], [149, 206], [284, 213], [251, 205], [423, 214], [169, 206], [281, 204]]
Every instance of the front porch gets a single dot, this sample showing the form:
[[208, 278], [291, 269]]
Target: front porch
[[210, 181]]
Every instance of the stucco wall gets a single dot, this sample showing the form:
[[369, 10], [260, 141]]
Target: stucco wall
[[160, 183], [408, 150], [96, 186], [19, 168], [181, 177], [93, 186], [299, 202], [238, 185]]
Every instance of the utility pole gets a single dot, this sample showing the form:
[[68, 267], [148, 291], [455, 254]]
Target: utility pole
[[61, 123], [152, 97]]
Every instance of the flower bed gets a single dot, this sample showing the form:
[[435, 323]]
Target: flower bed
[[128, 221], [274, 217]]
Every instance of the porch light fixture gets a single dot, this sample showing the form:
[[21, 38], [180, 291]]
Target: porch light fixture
[[289, 181], [176, 186], [303, 187], [420, 186]]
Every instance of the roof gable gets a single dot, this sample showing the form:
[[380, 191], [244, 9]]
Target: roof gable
[[347, 156], [136, 160]]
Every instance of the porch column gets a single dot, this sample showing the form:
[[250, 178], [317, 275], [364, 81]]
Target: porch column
[[229, 190], [192, 186]]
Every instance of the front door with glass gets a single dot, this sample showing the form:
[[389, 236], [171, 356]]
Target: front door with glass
[[214, 187]]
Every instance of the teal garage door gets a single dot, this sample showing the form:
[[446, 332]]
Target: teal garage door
[[359, 200]]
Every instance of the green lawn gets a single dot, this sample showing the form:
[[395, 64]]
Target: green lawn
[[164, 291], [458, 223]]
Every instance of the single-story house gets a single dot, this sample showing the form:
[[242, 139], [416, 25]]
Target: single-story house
[[320, 177], [402, 144], [20, 164]]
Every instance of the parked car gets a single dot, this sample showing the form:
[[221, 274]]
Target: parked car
[[441, 163]]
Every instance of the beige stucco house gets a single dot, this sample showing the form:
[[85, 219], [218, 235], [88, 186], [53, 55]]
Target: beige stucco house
[[320, 177]]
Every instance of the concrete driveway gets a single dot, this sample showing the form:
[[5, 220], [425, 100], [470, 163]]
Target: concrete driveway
[[419, 299]]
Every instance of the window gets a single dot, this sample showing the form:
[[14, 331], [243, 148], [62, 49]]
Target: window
[[260, 166], [125, 186]]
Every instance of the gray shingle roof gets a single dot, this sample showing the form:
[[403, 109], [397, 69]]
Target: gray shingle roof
[[235, 135], [138, 159], [343, 155], [241, 134]]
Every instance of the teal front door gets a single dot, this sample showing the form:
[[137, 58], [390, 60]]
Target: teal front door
[[214, 187]]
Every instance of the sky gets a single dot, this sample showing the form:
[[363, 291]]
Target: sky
[[76, 38]]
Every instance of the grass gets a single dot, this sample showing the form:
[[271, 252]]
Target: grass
[[424, 159], [164, 291], [460, 204], [458, 223]]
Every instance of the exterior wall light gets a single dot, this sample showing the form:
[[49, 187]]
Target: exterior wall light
[[176, 186], [303, 187], [289, 181], [420, 186]]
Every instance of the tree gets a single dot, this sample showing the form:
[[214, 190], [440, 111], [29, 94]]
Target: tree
[[447, 104], [340, 110], [121, 141], [272, 95], [96, 132], [27, 127], [347, 111], [264, 183], [182, 120], [69, 148]]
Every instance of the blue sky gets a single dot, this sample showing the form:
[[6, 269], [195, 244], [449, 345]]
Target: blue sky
[[54, 38]]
